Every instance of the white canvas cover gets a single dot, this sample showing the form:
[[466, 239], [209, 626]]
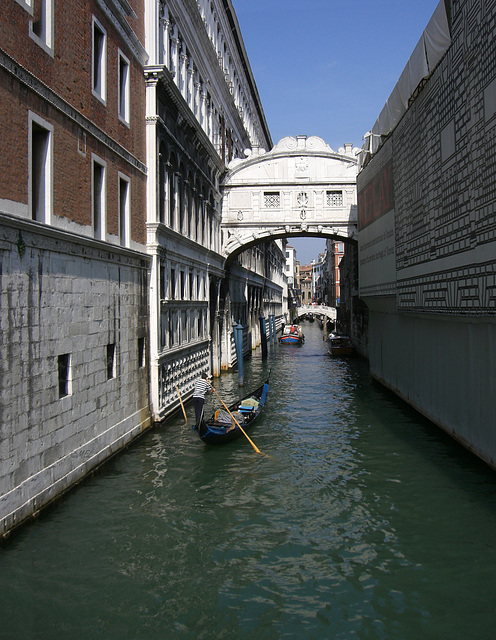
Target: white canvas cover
[[428, 52]]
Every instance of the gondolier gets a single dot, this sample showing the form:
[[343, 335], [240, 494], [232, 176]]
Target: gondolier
[[234, 420], [202, 386]]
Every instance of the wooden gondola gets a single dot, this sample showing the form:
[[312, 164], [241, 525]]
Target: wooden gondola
[[221, 427], [339, 345]]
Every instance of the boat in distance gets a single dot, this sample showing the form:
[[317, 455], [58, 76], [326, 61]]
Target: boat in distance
[[223, 426], [292, 334], [339, 345]]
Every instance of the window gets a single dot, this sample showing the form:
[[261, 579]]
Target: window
[[40, 169], [65, 382], [162, 282], [172, 295], [334, 198], [98, 198], [124, 210], [123, 85], [141, 352], [272, 199], [183, 285], [99, 66], [41, 27], [171, 329], [110, 361]]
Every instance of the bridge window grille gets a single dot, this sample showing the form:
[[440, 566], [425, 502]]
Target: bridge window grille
[[334, 198], [272, 199]]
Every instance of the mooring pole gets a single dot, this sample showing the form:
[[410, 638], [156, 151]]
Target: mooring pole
[[263, 337], [238, 341], [271, 336]]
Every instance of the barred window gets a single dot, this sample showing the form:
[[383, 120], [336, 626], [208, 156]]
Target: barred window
[[272, 199], [334, 198]]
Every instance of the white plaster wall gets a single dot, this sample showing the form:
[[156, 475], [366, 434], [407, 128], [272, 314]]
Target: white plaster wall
[[443, 367]]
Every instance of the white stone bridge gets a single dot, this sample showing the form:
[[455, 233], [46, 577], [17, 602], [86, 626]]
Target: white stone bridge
[[317, 310], [299, 188]]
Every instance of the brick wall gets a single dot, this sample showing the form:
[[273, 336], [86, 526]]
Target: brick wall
[[58, 88]]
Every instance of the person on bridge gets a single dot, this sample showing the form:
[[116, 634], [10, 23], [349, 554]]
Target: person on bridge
[[202, 386]]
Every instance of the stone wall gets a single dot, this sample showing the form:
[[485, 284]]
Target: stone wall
[[74, 372]]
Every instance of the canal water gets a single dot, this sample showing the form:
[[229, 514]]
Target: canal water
[[359, 520]]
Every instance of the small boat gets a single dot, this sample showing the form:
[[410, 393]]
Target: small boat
[[292, 334], [221, 426], [339, 345]]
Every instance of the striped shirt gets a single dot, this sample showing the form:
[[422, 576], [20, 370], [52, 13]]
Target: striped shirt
[[201, 388]]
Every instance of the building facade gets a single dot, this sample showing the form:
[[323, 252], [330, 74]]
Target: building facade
[[306, 284], [74, 267], [202, 110], [334, 255], [427, 233]]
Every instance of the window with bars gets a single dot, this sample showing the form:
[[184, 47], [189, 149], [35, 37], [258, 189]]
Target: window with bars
[[65, 381], [334, 198], [272, 199]]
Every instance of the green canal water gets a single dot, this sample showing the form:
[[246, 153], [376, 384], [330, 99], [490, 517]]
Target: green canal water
[[361, 520]]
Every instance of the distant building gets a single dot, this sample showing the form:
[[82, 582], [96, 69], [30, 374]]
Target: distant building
[[319, 276], [290, 267], [334, 255], [306, 284]]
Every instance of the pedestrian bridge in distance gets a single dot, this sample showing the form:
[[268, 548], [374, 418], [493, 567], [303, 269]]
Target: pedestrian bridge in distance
[[301, 187], [317, 310]]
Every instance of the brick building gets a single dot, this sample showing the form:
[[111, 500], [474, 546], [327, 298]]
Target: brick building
[[119, 119], [74, 297]]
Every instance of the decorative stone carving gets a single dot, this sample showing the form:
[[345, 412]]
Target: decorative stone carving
[[302, 199]]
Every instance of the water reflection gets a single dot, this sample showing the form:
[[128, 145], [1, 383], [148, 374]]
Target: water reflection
[[362, 521]]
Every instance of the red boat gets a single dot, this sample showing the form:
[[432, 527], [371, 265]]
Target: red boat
[[292, 334]]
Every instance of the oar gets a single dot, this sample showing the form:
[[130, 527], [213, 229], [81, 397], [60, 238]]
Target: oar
[[242, 430], [182, 405]]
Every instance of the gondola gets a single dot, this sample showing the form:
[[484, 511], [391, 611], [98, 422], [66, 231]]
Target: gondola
[[221, 427]]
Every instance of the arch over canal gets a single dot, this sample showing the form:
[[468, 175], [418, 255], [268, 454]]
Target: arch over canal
[[301, 187]]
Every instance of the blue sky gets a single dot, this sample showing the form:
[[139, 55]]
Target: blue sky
[[326, 67]]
